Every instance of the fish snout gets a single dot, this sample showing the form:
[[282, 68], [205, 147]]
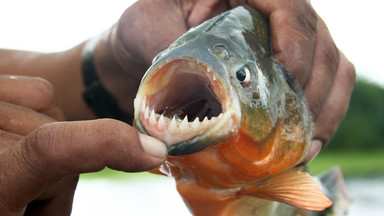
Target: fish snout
[[181, 102]]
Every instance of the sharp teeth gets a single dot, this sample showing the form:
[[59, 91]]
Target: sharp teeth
[[220, 116], [205, 121], [143, 103], [184, 124], [173, 125], [208, 70], [146, 113], [152, 118], [161, 122], [196, 123]]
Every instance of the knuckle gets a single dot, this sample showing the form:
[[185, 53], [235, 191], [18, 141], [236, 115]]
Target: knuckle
[[45, 97], [307, 19], [315, 108], [331, 58], [349, 72], [41, 150], [325, 128], [31, 92], [34, 149]]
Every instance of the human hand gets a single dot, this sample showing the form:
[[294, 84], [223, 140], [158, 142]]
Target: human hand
[[40, 157], [124, 52], [302, 42]]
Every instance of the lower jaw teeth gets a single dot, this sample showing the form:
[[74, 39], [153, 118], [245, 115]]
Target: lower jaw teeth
[[176, 124], [172, 130]]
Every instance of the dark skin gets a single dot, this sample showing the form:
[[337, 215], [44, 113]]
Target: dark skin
[[42, 157], [42, 154]]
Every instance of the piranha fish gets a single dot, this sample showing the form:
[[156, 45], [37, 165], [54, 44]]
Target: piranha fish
[[237, 125]]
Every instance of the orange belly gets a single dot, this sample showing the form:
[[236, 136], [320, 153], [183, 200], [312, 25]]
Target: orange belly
[[210, 181]]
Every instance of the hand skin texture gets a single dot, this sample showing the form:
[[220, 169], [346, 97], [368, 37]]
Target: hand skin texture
[[41, 155], [302, 42]]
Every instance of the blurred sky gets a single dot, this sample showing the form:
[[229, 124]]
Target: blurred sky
[[52, 25]]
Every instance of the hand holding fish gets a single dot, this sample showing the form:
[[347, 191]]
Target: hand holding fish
[[302, 42], [124, 52], [40, 158]]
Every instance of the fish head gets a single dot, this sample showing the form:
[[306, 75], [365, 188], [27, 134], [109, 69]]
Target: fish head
[[212, 82], [187, 101]]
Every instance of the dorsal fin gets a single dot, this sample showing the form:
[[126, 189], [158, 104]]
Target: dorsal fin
[[294, 188]]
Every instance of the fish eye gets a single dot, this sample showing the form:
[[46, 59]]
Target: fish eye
[[244, 76]]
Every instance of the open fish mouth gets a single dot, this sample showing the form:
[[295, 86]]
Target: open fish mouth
[[181, 102]]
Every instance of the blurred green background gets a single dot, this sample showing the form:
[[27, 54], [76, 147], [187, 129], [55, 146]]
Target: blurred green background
[[357, 147]]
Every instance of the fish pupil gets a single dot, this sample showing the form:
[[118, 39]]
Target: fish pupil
[[241, 75]]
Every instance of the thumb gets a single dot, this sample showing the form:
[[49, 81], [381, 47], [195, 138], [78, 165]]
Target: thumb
[[56, 150]]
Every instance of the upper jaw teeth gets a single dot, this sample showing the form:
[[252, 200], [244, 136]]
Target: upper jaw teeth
[[171, 130]]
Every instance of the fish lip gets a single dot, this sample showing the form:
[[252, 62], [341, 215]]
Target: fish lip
[[220, 127]]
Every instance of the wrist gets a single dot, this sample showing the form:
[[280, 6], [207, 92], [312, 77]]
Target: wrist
[[112, 81], [95, 95]]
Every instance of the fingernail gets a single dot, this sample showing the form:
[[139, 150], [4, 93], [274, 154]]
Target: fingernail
[[314, 151], [153, 146]]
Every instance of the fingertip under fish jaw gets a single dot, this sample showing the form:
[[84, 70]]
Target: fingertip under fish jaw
[[153, 147]]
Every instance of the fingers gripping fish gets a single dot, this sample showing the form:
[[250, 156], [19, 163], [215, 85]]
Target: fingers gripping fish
[[236, 124]]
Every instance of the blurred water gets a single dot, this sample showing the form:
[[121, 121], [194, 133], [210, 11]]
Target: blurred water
[[367, 196], [147, 196], [158, 196]]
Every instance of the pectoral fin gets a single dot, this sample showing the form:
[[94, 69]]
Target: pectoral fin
[[294, 188]]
